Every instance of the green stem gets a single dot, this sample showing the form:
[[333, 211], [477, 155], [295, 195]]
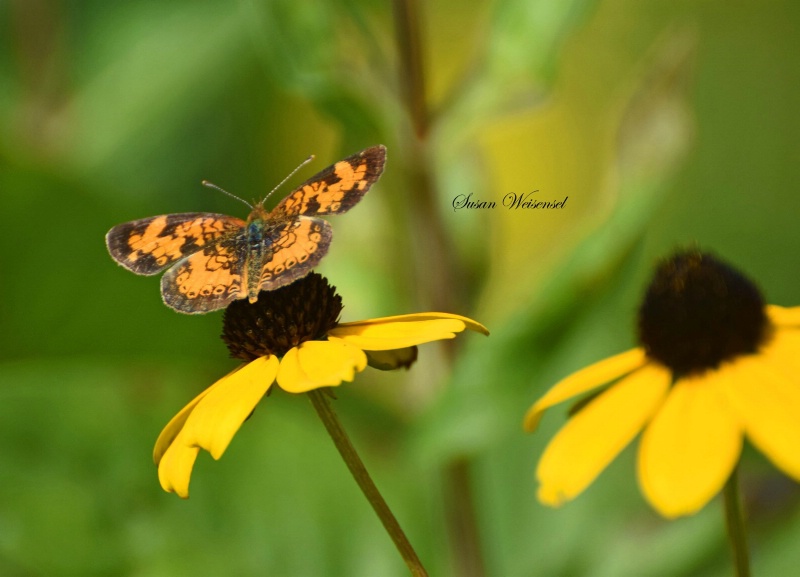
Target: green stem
[[437, 271], [325, 411], [412, 75], [734, 520]]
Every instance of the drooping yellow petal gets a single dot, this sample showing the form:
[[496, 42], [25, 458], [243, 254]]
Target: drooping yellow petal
[[585, 380], [215, 420], [691, 446], [784, 316], [593, 437], [768, 403], [175, 467], [403, 331], [172, 429], [413, 317], [394, 359], [316, 364]]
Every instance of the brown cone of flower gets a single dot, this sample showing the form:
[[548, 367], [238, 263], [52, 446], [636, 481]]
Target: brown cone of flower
[[281, 319], [698, 312]]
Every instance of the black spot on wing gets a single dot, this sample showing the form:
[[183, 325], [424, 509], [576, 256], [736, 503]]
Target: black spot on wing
[[332, 178], [313, 205]]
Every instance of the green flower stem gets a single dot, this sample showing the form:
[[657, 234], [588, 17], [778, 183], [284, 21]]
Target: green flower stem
[[734, 520], [325, 411]]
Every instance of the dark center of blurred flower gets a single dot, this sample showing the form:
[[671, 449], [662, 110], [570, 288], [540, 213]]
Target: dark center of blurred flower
[[698, 312], [281, 319]]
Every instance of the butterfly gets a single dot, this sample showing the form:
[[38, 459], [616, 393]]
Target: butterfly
[[214, 259]]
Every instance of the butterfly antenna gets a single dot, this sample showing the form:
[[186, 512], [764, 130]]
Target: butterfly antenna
[[291, 174], [223, 191]]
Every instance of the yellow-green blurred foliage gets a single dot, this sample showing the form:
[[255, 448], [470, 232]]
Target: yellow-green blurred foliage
[[665, 123]]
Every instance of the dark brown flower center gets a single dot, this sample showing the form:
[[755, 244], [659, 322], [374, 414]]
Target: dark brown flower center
[[698, 312], [281, 319]]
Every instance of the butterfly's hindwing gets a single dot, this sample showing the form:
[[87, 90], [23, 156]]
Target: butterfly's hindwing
[[338, 188], [298, 249], [209, 279], [150, 245]]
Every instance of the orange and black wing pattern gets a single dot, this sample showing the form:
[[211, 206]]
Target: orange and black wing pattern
[[338, 188], [214, 259], [150, 245], [300, 246], [209, 279]]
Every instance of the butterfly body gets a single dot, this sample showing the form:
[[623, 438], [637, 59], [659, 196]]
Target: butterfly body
[[214, 259], [259, 247]]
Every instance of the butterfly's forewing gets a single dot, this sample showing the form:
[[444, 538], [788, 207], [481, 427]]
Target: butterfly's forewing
[[337, 188], [150, 245], [299, 247], [209, 279]]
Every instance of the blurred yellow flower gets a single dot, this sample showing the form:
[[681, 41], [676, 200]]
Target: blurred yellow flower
[[715, 364], [312, 361]]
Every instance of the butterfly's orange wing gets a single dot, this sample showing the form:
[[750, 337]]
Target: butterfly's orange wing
[[150, 245], [209, 279], [300, 246], [338, 188]]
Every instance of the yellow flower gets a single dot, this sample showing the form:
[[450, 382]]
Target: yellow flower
[[715, 364], [289, 337]]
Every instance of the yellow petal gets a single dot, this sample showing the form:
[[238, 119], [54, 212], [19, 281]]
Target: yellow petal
[[594, 436], [784, 316], [218, 416], [394, 359], [468, 322], [331, 362], [783, 350], [316, 364], [172, 429], [175, 468], [768, 403], [585, 380], [403, 331], [291, 377], [689, 449]]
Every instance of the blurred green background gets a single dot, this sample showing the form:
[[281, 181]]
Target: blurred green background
[[665, 123]]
